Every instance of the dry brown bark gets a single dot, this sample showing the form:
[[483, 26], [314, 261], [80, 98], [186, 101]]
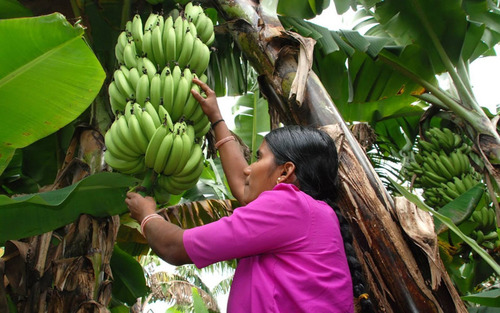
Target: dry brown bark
[[66, 270]]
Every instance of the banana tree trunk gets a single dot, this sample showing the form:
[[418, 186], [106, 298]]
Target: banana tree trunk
[[402, 265], [66, 270]]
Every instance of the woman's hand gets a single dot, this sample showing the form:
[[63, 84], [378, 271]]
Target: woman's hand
[[140, 206], [209, 104]]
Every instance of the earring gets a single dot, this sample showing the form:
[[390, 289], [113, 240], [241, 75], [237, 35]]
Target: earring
[[278, 180]]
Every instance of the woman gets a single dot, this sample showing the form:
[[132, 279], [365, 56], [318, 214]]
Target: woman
[[286, 237]]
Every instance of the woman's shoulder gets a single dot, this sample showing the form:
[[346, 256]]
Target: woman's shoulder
[[283, 193]]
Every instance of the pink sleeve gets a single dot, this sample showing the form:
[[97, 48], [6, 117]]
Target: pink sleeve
[[272, 222]]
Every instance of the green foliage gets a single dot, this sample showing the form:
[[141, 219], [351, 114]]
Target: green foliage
[[199, 305], [449, 223], [129, 282], [48, 68], [12, 9], [99, 195], [251, 120]]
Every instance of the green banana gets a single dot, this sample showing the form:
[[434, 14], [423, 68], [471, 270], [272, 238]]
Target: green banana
[[188, 181], [460, 185], [127, 112], [128, 167], [187, 144], [169, 41], [153, 113], [147, 124], [163, 153], [148, 67], [168, 90], [208, 29], [112, 147], [445, 160], [186, 50], [155, 89], [176, 152], [133, 77], [192, 28], [165, 117], [210, 40], [181, 94], [426, 146], [142, 89], [147, 44], [443, 170], [189, 76], [191, 11], [114, 133], [154, 145], [124, 132], [200, 57], [202, 127], [123, 84], [196, 156], [191, 103], [130, 55], [116, 98], [197, 115], [120, 46], [150, 21], [179, 36], [165, 183], [137, 32], [157, 45], [137, 134]]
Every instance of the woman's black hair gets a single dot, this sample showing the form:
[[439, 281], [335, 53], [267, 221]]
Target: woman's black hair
[[316, 165]]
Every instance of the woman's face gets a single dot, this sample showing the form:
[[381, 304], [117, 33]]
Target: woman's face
[[261, 175]]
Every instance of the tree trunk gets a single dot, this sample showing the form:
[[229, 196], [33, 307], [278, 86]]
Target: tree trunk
[[66, 270], [404, 271]]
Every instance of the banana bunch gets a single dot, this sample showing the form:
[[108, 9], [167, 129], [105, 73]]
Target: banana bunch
[[439, 195], [170, 88], [443, 170], [159, 125], [204, 25], [176, 157], [442, 167], [126, 141], [188, 176], [486, 233], [168, 41]]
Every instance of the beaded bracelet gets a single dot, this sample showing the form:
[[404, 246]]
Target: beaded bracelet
[[147, 218], [223, 141]]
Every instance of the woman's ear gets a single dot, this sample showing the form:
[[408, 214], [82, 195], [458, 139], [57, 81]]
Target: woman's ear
[[288, 173]]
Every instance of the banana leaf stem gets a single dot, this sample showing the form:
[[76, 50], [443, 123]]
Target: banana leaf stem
[[465, 94]]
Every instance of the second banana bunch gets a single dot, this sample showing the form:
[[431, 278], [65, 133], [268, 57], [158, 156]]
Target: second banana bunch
[[159, 126], [442, 169]]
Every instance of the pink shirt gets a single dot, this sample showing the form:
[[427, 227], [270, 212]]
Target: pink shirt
[[291, 254]]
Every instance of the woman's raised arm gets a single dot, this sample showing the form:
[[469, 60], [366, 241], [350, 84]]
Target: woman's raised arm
[[232, 158]]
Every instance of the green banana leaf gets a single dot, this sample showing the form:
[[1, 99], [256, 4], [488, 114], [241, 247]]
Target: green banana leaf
[[251, 120], [48, 77], [449, 223], [99, 195], [460, 208], [129, 282], [302, 8], [12, 8], [489, 298]]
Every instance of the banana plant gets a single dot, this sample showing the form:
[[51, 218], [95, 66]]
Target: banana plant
[[237, 19]]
